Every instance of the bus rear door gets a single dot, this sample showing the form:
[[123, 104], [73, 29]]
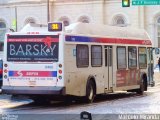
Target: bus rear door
[[108, 75]]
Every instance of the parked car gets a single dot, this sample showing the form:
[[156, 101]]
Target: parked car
[[1, 72]]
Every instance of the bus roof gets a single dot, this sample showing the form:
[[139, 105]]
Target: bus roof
[[31, 27], [92, 29], [107, 31]]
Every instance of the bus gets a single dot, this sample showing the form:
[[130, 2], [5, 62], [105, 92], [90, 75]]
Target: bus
[[1, 71], [82, 59]]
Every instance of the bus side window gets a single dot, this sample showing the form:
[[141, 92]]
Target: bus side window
[[82, 56], [96, 56], [121, 58], [1, 46], [142, 54], [132, 57]]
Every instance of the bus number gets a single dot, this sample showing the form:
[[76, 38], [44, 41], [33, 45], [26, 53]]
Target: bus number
[[54, 26]]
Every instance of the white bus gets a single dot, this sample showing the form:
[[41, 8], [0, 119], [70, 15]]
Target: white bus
[[80, 60]]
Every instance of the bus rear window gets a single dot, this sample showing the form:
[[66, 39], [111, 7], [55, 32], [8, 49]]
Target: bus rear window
[[43, 48]]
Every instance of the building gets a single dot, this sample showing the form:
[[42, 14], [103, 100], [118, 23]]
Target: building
[[14, 14]]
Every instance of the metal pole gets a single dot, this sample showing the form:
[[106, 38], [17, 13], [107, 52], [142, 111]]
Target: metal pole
[[48, 11], [16, 17]]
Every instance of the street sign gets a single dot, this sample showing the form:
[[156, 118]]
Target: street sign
[[145, 2]]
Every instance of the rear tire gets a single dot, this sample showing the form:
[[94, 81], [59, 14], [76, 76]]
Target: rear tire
[[142, 88], [90, 92], [39, 101]]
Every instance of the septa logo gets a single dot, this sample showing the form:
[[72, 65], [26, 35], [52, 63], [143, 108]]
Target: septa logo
[[125, 3], [19, 73]]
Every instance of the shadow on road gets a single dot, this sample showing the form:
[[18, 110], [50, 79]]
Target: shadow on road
[[72, 102]]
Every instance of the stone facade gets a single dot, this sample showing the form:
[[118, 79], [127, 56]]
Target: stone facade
[[96, 11]]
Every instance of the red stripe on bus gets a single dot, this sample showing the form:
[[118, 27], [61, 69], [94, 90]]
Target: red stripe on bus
[[124, 41], [34, 73], [32, 40], [107, 40]]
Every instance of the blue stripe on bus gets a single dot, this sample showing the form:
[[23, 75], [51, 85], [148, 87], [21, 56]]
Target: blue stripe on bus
[[54, 73], [11, 73], [79, 39]]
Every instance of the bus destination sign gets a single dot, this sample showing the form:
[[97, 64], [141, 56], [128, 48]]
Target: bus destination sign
[[145, 2], [55, 27]]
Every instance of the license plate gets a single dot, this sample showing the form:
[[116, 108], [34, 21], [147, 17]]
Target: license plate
[[32, 83]]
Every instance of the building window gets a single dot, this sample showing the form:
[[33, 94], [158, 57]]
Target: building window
[[65, 20], [82, 56], [119, 21], [29, 20], [96, 56], [121, 58], [132, 57], [2, 24], [1, 46], [3, 30], [158, 31], [84, 19]]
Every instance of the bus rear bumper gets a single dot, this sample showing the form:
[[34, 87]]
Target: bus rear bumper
[[33, 90]]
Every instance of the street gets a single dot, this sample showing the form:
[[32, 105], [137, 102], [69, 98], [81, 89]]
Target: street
[[119, 103]]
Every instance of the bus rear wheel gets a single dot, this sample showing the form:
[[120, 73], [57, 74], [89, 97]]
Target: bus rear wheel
[[90, 92], [39, 100], [142, 88]]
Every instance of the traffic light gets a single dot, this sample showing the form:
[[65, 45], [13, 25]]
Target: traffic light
[[125, 3]]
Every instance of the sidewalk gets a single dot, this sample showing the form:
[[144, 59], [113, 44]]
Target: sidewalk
[[4, 100], [156, 77], [7, 101]]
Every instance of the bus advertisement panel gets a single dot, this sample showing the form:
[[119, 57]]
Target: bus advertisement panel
[[32, 48]]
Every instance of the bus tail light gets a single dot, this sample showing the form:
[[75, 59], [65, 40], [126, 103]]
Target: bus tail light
[[5, 71], [60, 65], [60, 77], [60, 71], [5, 65], [5, 76]]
